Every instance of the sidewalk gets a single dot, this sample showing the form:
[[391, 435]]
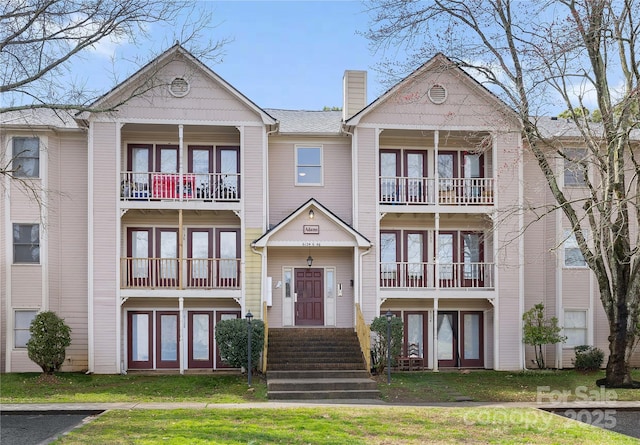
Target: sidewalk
[[35, 407]]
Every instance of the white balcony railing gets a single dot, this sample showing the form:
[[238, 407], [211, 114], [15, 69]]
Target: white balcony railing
[[174, 273], [449, 191], [448, 275], [146, 186]]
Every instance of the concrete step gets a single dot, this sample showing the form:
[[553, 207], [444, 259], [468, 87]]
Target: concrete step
[[314, 366], [318, 374], [297, 385], [325, 395]]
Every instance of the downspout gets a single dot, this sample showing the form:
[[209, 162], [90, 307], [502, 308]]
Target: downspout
[[118, 230], [90, 265]]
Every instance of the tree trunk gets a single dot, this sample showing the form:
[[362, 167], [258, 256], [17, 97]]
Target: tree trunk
[[621, 342]]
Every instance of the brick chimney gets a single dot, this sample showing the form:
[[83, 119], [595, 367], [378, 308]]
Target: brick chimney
[[354, 87]]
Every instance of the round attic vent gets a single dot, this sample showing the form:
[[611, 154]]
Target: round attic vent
[[179, 87], [437, 94]]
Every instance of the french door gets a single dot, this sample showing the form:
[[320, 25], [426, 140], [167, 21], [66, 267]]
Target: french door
[[459, 174], [143, 331], [200, 257], [460, 259], [403, 258], [403, 176], [415, 335], [152, 264], [201, 333], [460, 339]]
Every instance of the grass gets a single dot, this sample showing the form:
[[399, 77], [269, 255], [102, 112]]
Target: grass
[[321, 425], [81, 388], [496, 386]]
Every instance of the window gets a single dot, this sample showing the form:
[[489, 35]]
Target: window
[[308, 166], [26, 243], [572, 255], [575, 327], [21, 334], [575, 167], [26, 157]]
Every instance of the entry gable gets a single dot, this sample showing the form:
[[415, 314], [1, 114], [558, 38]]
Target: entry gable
[[312, 223], [438, 94], [176, 85]]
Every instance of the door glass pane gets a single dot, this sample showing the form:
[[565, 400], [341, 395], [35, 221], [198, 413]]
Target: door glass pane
[[229, 169], [228, 316], [445, 255], [201, 336], [471, 254], [199, 254], [445, 171], [414, 254], [415, 332], [140, 161], [415, 173], [169, 338], [471, 336], [445, 336], [472, 166], [168, 254], [140, 340], [388, 173], [388, 255], [200, 166], [168, 160], [228, 263], [140, 253]]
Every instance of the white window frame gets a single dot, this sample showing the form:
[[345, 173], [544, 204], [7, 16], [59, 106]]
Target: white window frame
[[19, 172], [573, 165], [320, 166], [585, 329], [569, 241], [21, 329], [13, 244]]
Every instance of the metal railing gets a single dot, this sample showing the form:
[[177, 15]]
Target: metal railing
[[396, 190], [147, 186], [448, 275], [174, 273]]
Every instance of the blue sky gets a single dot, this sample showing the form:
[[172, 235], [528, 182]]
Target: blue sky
[[283, 54]]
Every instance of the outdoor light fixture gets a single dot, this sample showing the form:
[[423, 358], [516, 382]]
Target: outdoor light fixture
[[249, 317], [309, 261], [311, 214], [389, 315]]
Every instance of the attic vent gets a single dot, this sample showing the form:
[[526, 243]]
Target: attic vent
[[437, 94], [179, 87]]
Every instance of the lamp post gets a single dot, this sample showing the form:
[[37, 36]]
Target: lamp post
[[389, 315], [249, 317]]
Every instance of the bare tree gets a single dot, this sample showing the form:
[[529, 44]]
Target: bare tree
[[532, 54], [41, 42]]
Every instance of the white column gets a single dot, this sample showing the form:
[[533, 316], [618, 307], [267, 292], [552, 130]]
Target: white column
[[435, 334], [181, 327]]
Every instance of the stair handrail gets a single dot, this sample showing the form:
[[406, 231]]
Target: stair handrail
[[266, 337], [364, 336]]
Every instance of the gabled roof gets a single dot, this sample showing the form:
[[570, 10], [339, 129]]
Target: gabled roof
[[360, 240], [439, 60], [172, 52]]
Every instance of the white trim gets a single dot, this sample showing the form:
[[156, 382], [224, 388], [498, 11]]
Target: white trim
[[118, 232], [521, 247], [90, 250], [8, 253], [44, 217], [559, 274]]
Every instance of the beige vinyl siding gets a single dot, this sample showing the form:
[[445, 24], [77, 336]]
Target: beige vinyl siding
[[367, 219], [207, 100], [336, 191], [105, 304], [254, 172], [252, 274]]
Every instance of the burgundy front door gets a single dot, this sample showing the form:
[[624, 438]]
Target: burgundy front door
[[309, 287]]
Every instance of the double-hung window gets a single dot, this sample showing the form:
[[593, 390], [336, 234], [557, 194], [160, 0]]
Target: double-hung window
[[22, 323], [308, 165], [26, 157], [571, 251], [575, 167], [575, 327], [26, 243]]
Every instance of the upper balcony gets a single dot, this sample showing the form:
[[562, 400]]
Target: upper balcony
[[202, 187], [402, 190]]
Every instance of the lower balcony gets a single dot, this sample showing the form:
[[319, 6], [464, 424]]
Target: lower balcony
[[442, 275], [176, 273]]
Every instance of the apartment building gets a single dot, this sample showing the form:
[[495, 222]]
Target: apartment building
[[190, 204]]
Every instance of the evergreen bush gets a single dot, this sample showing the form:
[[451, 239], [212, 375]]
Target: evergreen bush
[[379, 345], [231, 337], [50, 337], [588, 358]]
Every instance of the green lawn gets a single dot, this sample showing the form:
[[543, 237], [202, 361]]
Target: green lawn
[[339, 425]]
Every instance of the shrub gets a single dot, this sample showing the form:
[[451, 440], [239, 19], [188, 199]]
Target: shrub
[[588, 358], [539, 331], [50, 337], [231, 337], [379, 346]]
